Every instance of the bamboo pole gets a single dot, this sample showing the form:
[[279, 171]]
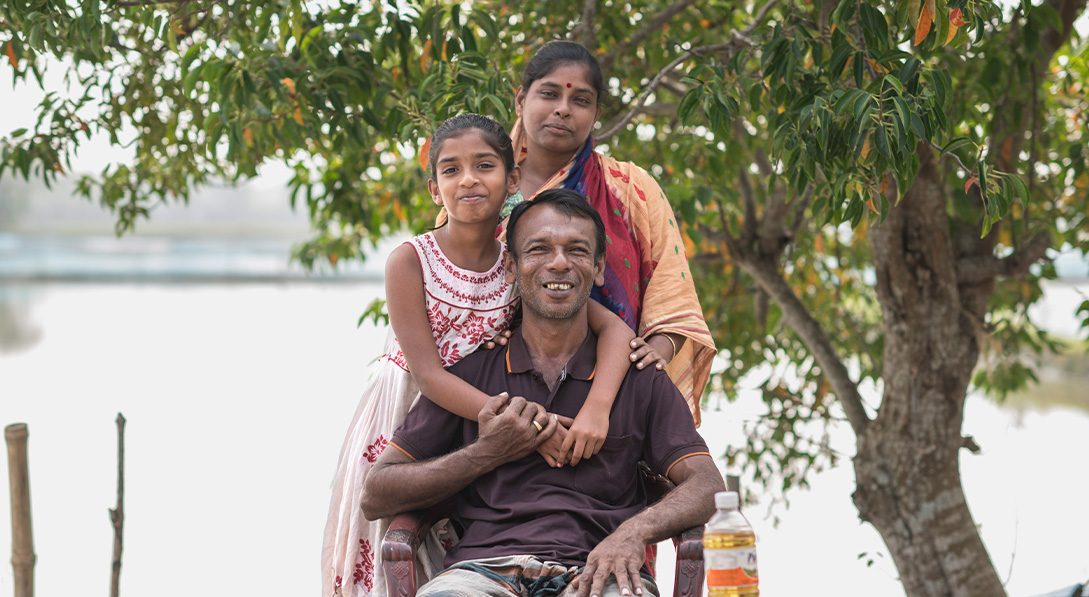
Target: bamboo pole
[[117, 515], [22, 536]]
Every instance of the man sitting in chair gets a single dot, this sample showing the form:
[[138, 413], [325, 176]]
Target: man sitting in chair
[[528, 528]]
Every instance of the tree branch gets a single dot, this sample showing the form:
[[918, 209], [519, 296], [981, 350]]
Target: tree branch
[[643, 33], [1051, 40], [584, 32], [744, 187], [979, 269], [117, 515], [797, 317], [800, 205], [128, 4], [774, 225], [764, 271], [966, 169], [737, 41]]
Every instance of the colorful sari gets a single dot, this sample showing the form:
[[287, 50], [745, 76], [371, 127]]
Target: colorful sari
[[647, 280]]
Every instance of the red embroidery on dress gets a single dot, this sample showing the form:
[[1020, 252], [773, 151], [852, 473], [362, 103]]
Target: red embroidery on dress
[[639, 192], [374, 450], [364, 566], [398, 359], [438, 264], [336, 583], [464, 308]]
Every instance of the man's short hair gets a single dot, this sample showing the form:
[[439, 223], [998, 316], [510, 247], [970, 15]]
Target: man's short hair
[[568, 202]]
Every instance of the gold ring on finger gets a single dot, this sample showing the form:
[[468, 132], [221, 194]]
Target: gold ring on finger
[[538, 426]]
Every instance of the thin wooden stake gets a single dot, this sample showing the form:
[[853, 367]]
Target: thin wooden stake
[[22, 536], [117, 515]]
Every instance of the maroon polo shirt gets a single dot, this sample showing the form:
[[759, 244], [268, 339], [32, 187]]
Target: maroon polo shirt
[[527, 507]]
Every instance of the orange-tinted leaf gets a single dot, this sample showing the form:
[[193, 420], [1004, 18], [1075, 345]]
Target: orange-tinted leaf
[[247, 136], [333, 258], [869, 202], [884, 185], [10, 49], [956, 18], [952, 32], [290, 86], [425, 55], [925, 19], [1007, 148], [424, 157], [298, 116], [968, 183]]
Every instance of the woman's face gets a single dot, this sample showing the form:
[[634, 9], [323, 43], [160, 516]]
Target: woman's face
[[558, 110]]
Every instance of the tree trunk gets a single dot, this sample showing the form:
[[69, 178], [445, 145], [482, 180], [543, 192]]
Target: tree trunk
[[906, 467]]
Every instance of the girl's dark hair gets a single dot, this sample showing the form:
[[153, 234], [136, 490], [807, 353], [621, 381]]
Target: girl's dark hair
[[558, 53], [493, 133]]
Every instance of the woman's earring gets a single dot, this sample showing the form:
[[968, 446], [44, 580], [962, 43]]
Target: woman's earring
[[508, 205]]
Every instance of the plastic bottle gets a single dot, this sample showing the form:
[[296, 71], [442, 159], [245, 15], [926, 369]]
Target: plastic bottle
[[729, 550]]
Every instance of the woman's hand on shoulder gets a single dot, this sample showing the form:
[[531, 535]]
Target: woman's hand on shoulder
[[500, 339], [644, 355]]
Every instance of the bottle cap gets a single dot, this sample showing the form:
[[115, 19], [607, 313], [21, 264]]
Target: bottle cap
[[727, 500]]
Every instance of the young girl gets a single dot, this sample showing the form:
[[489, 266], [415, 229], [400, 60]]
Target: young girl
[[446, 295]]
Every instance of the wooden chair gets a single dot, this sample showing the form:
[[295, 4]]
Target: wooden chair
[[407, 530]]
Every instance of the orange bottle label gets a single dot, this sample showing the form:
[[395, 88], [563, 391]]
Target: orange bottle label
[[726, 568], [733, 577]]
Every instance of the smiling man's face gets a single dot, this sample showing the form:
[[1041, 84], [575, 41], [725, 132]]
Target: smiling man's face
[[555, 266]]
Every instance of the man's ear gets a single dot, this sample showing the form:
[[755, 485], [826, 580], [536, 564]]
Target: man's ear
[[513, 179], [520, 99], [509, 266], [433, 188], [599, 271]]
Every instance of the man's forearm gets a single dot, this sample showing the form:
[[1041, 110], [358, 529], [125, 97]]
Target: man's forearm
[[404, 485], [689, 504]]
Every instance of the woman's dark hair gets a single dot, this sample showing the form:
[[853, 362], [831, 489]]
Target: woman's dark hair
[[493, 133], [559, 53], [569, 203]]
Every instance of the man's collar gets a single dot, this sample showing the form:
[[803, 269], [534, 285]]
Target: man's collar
[[582, 364]]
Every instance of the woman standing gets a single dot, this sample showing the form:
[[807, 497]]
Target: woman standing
[[647, 279]]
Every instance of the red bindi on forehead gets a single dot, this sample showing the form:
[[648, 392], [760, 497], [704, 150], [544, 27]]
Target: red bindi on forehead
[[569, 86]]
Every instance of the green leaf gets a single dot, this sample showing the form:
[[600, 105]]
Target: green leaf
[[955, 144], [894, 83], [1022, 189], [846, 101]]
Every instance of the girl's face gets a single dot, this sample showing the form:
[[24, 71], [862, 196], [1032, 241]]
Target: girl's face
[[558, 110], [470, 180]]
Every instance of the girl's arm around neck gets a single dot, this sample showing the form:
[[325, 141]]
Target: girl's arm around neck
[[408, 316], [587, 434]]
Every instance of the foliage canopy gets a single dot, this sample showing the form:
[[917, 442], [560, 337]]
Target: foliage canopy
[[783, 132]]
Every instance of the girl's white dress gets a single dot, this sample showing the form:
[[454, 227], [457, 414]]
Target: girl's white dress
[[465, 309]]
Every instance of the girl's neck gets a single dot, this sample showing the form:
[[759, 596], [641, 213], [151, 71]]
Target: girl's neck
[[472, 248]]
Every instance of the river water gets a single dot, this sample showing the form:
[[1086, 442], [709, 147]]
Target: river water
[[237, 396]]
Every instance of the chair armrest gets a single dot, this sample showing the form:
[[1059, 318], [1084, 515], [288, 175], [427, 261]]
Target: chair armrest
[[400, 543], [688, 581]]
